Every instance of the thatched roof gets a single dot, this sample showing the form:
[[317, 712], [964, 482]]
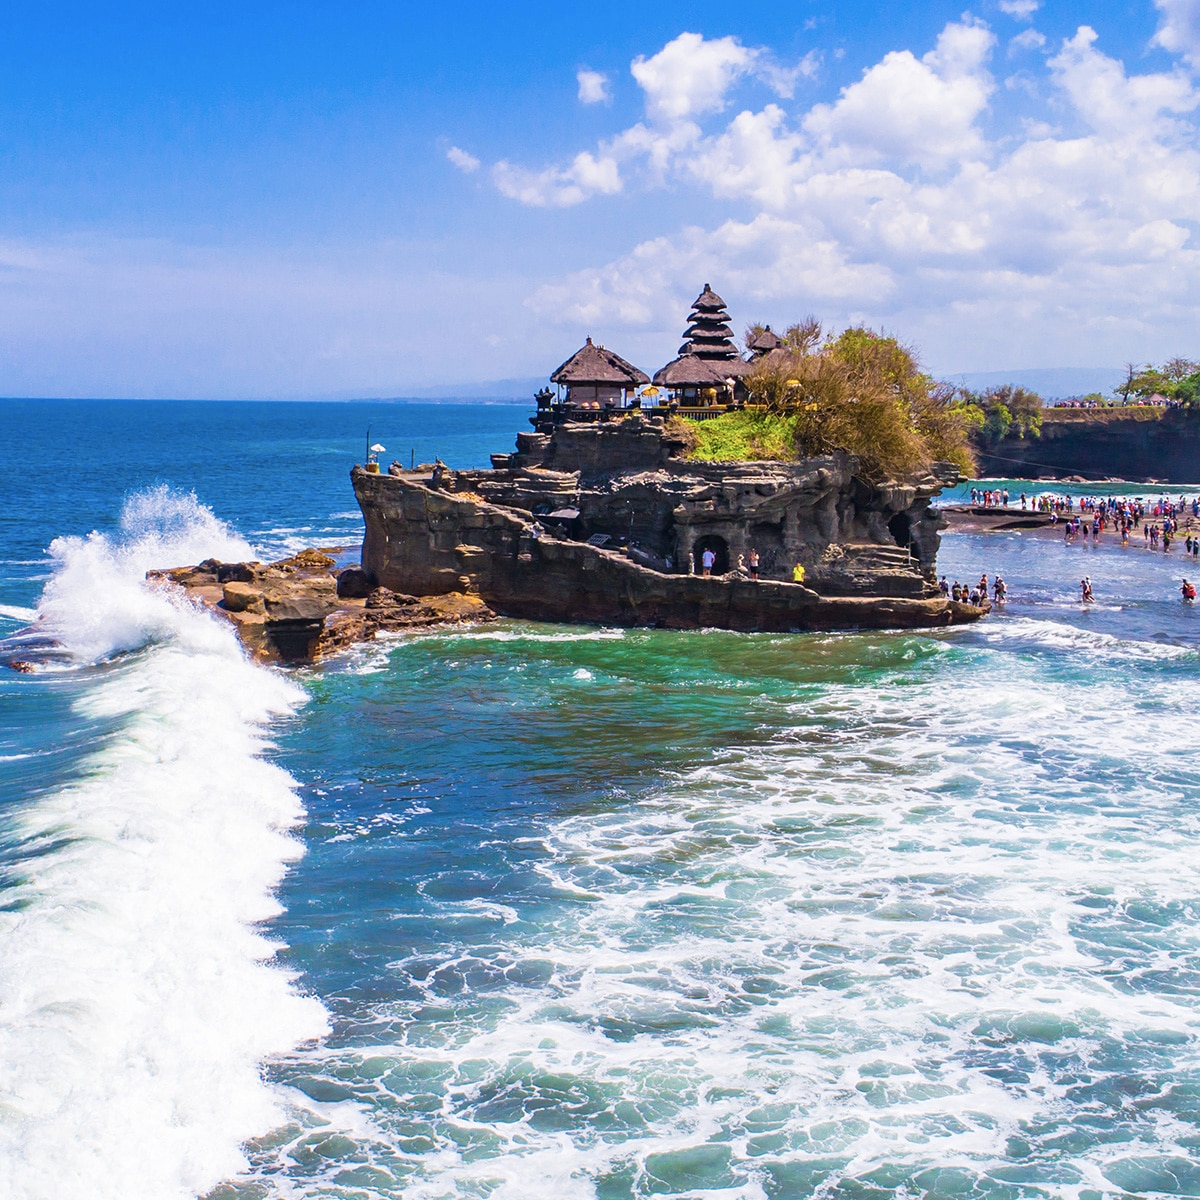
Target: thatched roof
[[763, 341], [690, 370], [708, 301], [706, 327], [593, 364], [716, 351]]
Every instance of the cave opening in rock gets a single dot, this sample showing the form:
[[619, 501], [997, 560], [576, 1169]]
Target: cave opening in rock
[[718, 546]]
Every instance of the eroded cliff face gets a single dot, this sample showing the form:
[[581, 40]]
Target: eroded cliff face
[[1102, 444], [519, 535]]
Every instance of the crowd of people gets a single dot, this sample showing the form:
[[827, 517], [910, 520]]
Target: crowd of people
[[977, 595], [1162, 522], [1090, 517]]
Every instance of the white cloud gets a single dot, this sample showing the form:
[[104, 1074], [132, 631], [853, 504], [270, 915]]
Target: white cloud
[[690, 76], [593, 87], [1027, 39], [462, 160], [559, 187], [1179, 28], [918, 110], [1112, 102], [1023, 10]]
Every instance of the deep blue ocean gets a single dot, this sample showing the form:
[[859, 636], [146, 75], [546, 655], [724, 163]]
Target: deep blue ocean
[[535, 912]]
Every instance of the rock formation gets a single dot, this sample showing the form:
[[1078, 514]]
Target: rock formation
[[607, 522], [299, 609], [1139, 444]]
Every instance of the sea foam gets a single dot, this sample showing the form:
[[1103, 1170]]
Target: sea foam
[[138, 996]]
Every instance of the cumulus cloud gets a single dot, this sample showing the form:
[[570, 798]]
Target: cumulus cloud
[[462, 160], [896, 203], [690, 76], [593, 87], [1023, 10], [559, 187], [918, 110], [1179, 28], [1027, 39], [1114, 103]]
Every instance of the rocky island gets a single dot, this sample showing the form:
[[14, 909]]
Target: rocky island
[[608, 522], [608, 513]]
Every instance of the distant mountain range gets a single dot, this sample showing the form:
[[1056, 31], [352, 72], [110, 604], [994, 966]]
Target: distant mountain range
[[1051, 383]]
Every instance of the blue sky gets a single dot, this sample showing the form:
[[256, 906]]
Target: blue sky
[[367, 199]]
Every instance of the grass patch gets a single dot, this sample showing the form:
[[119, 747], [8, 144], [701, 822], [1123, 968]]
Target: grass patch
[[744, 436]]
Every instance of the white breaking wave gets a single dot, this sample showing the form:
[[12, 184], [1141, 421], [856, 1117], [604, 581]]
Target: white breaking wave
[[138, 998]]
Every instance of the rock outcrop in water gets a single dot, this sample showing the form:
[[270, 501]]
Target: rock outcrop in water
[[299, 609], [606, 522]]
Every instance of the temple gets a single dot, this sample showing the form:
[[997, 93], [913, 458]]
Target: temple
[[600, 515]]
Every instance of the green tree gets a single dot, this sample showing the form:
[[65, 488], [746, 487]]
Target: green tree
[[865, 394]]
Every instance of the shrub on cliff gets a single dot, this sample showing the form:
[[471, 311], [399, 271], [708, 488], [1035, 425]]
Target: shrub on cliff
[[1000, 412], [1177, 379], [862, 393]]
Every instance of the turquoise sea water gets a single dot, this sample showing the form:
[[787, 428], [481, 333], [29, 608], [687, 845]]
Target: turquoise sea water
[[542, 911]]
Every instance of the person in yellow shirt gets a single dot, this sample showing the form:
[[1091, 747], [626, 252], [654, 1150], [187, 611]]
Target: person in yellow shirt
[[798, 573]]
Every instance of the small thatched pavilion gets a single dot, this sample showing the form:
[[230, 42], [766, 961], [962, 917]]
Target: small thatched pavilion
[[597, 378], [763, 342]]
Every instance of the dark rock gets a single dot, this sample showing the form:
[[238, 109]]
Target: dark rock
[[240, 572], [382, 597], [355, 584], [296, 608], [1089, 445]]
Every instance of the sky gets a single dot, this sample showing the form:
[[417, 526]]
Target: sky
[[365, 199]]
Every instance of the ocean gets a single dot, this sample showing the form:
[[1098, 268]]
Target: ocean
[[535, 912]]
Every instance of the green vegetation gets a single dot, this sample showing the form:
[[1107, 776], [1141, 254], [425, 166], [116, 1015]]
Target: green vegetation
[[1000, 412], [1177, 379], [860, 392], [743, 435]]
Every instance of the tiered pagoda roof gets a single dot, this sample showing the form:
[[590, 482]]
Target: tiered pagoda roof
[[709, 334], [592, 364]]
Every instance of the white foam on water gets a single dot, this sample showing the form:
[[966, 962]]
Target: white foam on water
[[138, 997], [14, 612], [928, 918]]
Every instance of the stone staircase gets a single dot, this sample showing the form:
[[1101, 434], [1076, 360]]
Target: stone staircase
[[869, 569]]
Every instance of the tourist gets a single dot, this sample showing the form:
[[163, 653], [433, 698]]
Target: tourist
[[1000, 590], [1189, 592], [943, 586], [1085, 590], [956, 591], [974, 597], [708, 561], [752, 561], [798, 573]]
